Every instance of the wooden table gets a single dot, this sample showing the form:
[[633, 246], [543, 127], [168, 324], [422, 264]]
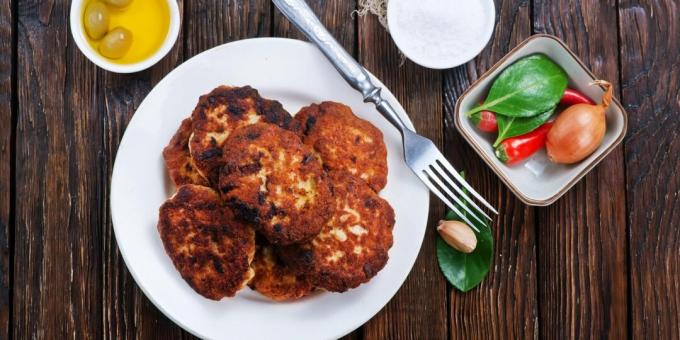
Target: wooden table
[[602, 262]]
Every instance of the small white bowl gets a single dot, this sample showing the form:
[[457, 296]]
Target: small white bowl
[[399, 35], [78, 33], [537, 181]]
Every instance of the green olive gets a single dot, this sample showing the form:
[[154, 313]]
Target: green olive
[[116, 43], [118, 3], [96, 20]]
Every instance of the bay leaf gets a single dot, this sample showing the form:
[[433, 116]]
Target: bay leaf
[[530, 86], [466, 271]]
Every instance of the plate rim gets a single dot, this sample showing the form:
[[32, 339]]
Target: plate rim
[[388, 95]]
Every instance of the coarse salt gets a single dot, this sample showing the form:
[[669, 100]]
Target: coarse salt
[[440, 33]]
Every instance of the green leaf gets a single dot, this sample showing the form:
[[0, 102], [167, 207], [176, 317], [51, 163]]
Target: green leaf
[[515, 126], [528, 87], [466, 271]]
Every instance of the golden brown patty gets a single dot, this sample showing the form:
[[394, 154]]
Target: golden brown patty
[[220, 112], [274, 182], [345, 141], [208, 247], [178, 159], [274, 279], [352, 247]]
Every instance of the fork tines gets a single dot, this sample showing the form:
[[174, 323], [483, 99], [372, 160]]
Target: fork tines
[[440, 177]]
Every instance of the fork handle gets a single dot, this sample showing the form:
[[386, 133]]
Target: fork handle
[[306, 21]]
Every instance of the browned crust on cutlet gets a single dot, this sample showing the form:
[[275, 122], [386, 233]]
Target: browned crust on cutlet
[[219, 113], [345, 141], [178, 159], [275, 183], [361, 219], [274, 279], [209, 248]]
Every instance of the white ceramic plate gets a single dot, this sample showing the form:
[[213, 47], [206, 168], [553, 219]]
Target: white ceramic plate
[[296, 74]]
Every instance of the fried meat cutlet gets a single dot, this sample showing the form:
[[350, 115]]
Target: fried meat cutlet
[[209, 248], [275, 183], [274, 279], [178, 159], [219, 113], [345, 141], [353, 245]]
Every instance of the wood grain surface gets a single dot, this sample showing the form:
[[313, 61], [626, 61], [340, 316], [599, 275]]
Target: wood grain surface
[[650, 83], [7, 87], [505, 305], [209, 23], [59, 188], [602, 262]]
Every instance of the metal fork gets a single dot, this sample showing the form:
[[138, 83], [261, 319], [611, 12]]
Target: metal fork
[[421, 155]]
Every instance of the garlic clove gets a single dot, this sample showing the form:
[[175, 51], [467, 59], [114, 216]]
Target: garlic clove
[[458, 235]]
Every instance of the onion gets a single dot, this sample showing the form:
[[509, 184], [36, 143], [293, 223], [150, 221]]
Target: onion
[[579, 129]]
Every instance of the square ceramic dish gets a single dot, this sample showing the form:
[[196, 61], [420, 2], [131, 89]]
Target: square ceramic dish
[[537, 181]]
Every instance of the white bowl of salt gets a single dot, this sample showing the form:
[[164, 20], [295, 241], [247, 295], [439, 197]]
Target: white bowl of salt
[[441, 34]]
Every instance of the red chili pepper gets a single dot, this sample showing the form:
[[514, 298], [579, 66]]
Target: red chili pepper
[[515, 149], [571, 97], [485, 121]]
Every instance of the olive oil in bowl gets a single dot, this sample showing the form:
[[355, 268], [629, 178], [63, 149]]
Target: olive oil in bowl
[[126, 31]]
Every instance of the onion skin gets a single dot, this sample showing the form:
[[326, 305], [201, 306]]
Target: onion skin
[[578, 131]]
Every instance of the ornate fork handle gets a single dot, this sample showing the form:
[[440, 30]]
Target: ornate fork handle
[[306, 21]]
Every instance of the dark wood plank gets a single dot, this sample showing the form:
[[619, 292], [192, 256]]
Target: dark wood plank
[[127, 312], [58, 181], [337, 16], [418, 310], [505, 304], [210, 23], [582, 237], [6, 156], [650, 78]]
